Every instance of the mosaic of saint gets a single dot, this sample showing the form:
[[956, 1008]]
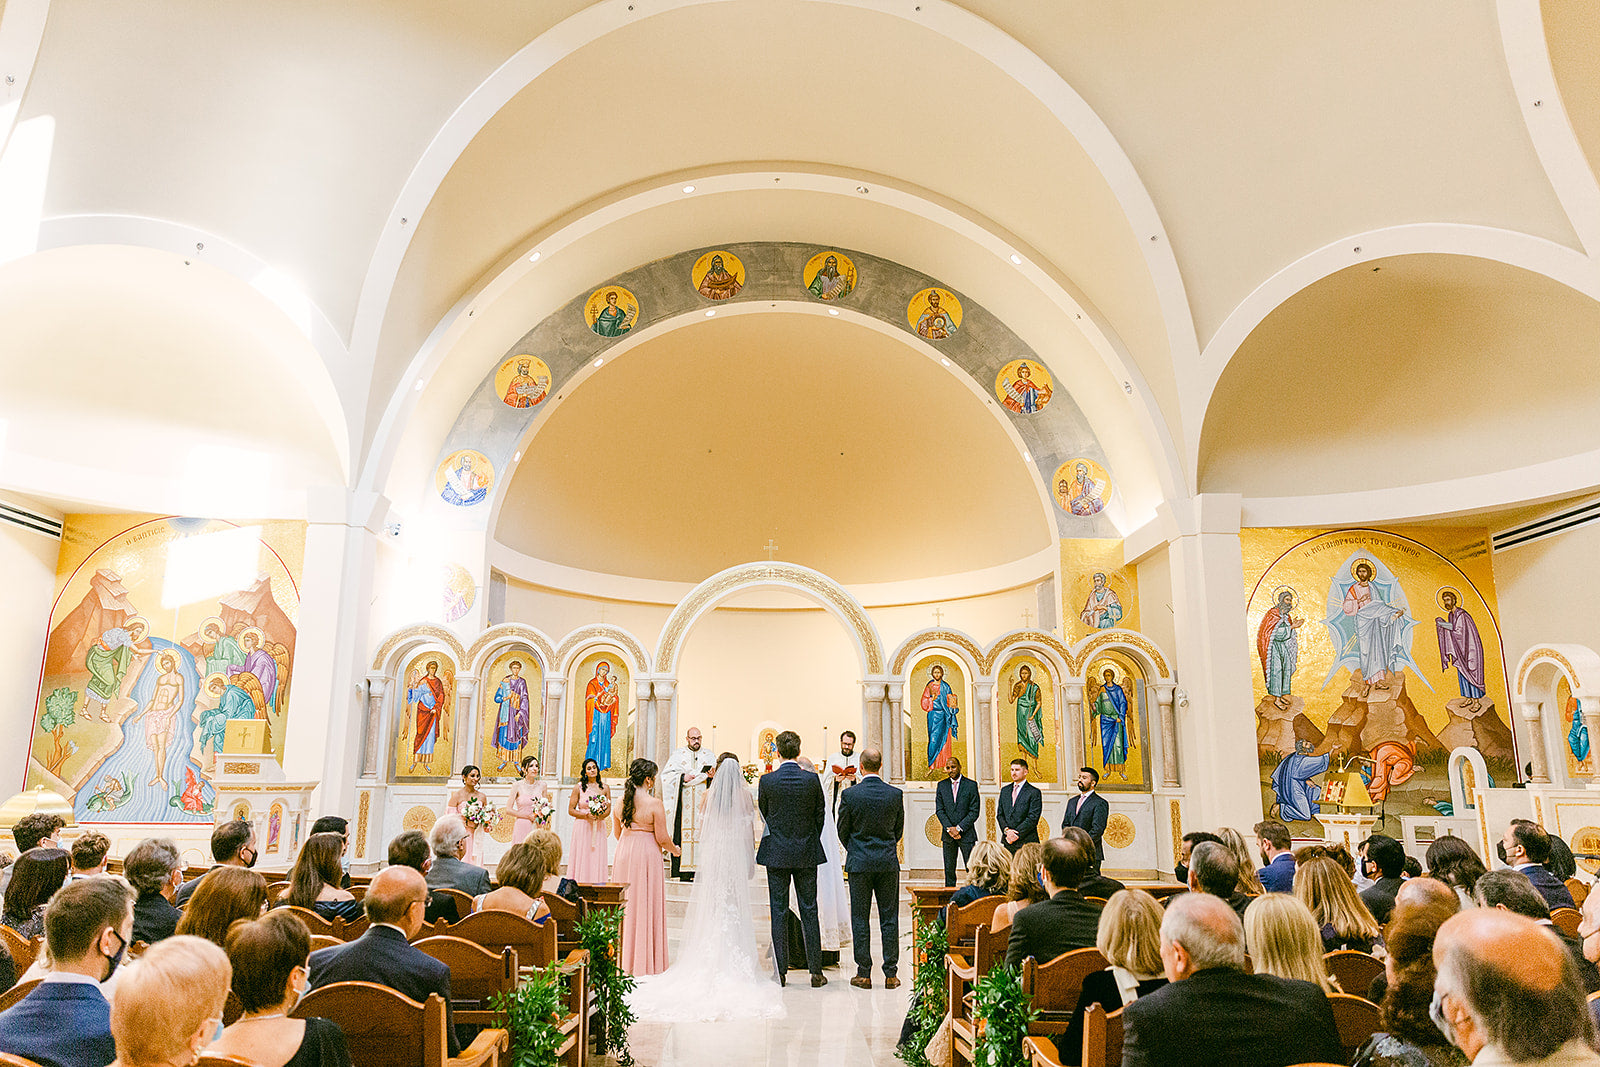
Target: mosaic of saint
[[1023, 386], [934, 313], [611, 311], [1025, 715], [522, 382], [829, 275], [1081, 487], [513, 691], [599, 716], [1115, 724], [422, 747], [935, 704], [718, 275], [464, 478]]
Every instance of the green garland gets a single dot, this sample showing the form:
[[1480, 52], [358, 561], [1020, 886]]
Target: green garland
[[601, 935], [928, 992], [528, 1012], [998, 999]]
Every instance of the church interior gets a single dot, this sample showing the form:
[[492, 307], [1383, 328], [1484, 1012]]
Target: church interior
[[1204, 394]]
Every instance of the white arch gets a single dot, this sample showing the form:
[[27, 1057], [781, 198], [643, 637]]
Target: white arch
[[21, 32], [581, 640], [790, 577]]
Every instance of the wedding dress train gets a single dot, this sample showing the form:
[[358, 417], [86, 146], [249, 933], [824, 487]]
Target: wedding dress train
[[718, 973]]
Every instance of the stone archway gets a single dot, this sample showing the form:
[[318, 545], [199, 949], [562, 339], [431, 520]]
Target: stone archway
[[1534, 695]]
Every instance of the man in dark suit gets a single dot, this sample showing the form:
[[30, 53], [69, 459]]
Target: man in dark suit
[[66, 1020], [1215, 870], [410, 849], [394, 905], [1526, 848], [155, 869], [1091, 811], [1211, 1012], [1021, 805], [1272, 838], [1383, 859], [450, 870], [1512, 891], [233, 844], [956, 806], [1065, 920], [791, 802], [872, 817]]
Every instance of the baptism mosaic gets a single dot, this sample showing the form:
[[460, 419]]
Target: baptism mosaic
[[611, 311], [164, 630], [1352, 678], [935, 314], [829, 275], [718, 275], [464, 478], [1081, 486], [1023, 386]]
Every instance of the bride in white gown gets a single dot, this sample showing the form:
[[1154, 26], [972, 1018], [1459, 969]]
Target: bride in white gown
[[718, 973]]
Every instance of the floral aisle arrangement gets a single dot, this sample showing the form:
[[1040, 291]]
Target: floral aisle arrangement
[[479, 814], [927, 991], [543, 808], [600, 934], [1006, 1010], [529, 1013]]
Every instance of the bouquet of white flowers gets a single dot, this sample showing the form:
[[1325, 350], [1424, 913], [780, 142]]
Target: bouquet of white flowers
[[598, 805], [479, 814], [543, 808], [751, 772]]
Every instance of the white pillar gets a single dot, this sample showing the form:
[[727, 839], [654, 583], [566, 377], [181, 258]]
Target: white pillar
[[664, 713], [872, 714], [550, 734], [895, 739], [466, 729], [1218, 735], [983, 733], [1072, 720], [1531, 714], [1169, 735], [377, 691]]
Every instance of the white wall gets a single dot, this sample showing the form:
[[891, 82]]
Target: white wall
[[28, 564], [1155, 598], [1550, 591]]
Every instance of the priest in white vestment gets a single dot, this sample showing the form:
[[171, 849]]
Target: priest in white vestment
[[840, 771], [683, 785]]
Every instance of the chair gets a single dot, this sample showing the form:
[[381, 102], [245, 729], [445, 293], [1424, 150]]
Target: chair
[[567, 916], [17, 992], [989, 950], [1041, 1052], [465, 902], [1102, 1037], [335, 928], [535, 947], [1354, 971], [1096, 900], [324, 941], [961, 922], [1567, 920], [1053, 987], [23, 950], [1579, 891], [276, 890], [8, 1060], [1356, 1018], [383, 1028]]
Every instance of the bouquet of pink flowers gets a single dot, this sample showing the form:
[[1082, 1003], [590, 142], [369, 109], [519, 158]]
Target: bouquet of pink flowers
[[479, 814], [751, 772], [598, 805], [543, 808]]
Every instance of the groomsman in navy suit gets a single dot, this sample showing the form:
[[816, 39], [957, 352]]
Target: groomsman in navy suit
[[872, 818], [955, 805], [1090, 811], [790, 799], [1021, 805]]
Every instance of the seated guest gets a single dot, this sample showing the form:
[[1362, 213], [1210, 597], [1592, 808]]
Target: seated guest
[[410, 849], [1283, 940], [1514, 892], [1025, 886], [1412, 868], [89, 855], [1453, 862], [314, 880], [450, 870], [170, 1002], [1211, 1013], [383, 954], [336, 824], [270, 974], [1272, 838], [155, 870], [226, 895], [1063, 922], [1322, 885], [36, 876], [1507, 992], [521, 873], [988, 874], [1249, 881], [30, 832], [66, 1020], [1409, 1038], [1562, 863], [1130, 938], [549, 845], [1094, 884], [1526, 848], [233, 844], [1213, 869], [1191, 839], [1416, 891], [1384, 862]]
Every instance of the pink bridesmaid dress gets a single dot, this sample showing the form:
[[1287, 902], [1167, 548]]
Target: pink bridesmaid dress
[[587, 862], [644, 914], [521, 807]]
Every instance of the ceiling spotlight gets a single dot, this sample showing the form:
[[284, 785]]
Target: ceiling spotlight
[[534, 258], [863, 190], [419, 385], [711, 314], [517, 458], [1016, 259], [598, 360], [688, 188], [1026, 457], [833, 311], [944, 362]]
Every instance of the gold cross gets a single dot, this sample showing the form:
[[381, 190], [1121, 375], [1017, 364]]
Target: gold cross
[[938, 617], [1027, 619], [772, 548]]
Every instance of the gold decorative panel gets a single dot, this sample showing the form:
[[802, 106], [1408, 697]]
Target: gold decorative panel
[[419, 817], [1119, 831]]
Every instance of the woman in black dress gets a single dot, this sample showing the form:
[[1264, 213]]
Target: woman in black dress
[[270, 972]]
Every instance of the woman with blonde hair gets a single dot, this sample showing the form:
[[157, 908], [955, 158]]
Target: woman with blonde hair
[[224, 896], [1282, 937], [1249, 881], [1129, 938], [1345, 922], [521, 873], [169, 1003], [988, 874], [549, 844], [1025, 885]]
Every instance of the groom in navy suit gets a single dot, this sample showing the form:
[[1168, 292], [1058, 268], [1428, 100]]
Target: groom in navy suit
[[871, 821], [790, 799]]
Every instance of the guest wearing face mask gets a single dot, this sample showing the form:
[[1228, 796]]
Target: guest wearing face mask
[[233, 844], [66, 1020], [269, 958]]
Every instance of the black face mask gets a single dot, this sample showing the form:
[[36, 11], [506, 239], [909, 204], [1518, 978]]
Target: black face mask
[[1181, 873], [253, 857], [1500, 849], [122, 946]]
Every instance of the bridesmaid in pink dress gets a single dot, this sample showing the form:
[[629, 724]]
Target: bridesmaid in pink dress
[[589, 832], [642, 836], [469, 788], [521, 801]]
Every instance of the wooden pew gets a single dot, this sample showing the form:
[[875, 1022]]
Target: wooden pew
[[1054, 987], [383, 1028], [989, 950], [1353, 970], [1102, 1037]]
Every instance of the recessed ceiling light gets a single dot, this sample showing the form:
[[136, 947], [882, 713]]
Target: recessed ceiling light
[[833, 311], [712, 313], [599, 360], [944, 362], [688, 188], [1026, 458], [534, 258], [419, 385], [1016, 259], [863, 190], [518, 458]]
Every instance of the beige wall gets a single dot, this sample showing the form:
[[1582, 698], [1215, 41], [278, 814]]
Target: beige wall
[[28, 561], [1155, 598], [1549, 591]]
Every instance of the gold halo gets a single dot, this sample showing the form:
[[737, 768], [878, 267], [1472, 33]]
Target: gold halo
[[214, 676], [212, 621], [1358, 561], [1438, 596], [1282, 589], [261, 638], [140, 620]]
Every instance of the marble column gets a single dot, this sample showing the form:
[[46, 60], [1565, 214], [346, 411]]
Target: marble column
[[549, 736], [1072, 720], [377, 691], [872, 713], [664, 715], [983, 732], [1169, 735], [1532, 715], [895, 738], [466, 733]]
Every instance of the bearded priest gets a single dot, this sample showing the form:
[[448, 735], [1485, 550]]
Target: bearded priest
[[683, 783]]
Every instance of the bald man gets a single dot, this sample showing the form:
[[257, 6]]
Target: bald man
[[394, 905], [1424, 890], [1508, 993], [1211, 1012]]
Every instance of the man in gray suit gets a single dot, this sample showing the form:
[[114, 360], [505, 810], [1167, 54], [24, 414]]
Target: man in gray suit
[[449, 843]]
